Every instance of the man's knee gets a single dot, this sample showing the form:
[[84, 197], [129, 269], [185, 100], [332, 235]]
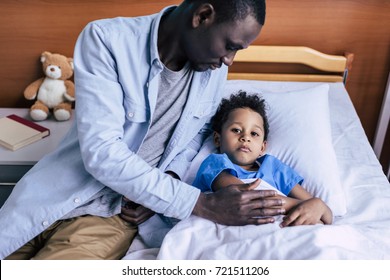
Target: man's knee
[[89, 237]]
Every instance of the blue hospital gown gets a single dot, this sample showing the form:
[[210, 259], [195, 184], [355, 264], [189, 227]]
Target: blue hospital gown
[[271, 170]]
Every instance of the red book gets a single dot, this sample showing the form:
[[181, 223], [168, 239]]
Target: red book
[[17, 132]]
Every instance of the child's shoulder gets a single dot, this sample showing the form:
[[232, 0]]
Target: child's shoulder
[[216, 156], [270, 159], [274, 162]]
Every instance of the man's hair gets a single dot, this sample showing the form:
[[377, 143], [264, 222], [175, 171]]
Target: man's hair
[[233, 10], [240, 100]]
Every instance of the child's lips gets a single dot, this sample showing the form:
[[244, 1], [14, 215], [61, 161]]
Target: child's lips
[[244, 149]]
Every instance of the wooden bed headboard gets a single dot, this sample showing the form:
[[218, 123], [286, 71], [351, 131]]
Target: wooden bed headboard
[[29, 27], [334, 68]]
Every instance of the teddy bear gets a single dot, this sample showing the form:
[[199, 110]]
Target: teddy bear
[[54, 92]]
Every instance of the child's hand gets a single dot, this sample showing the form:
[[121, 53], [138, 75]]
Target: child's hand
[[308, 212]]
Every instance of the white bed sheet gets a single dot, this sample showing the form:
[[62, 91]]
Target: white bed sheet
[[363, 233]]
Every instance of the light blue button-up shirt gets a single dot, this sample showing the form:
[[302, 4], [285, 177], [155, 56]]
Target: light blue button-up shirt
[[117, 69]]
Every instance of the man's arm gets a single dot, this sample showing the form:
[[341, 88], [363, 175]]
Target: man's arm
[[134, 213], [225, 179], [239, 205], [236, 203]]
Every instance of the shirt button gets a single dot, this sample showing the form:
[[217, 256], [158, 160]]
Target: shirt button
[[131, 114], [147, 85], [76, 200], [45, 223]]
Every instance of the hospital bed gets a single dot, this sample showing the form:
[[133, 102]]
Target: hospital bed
[[315, 129]]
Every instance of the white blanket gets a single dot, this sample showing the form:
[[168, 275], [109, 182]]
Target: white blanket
[[364, 233]]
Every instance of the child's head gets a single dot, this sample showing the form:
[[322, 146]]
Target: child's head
[[241, 128]]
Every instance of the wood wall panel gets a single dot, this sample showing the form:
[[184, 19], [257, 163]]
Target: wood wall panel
[[335, 27], [28, 27]]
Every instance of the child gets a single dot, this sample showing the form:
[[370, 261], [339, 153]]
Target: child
[[240, 133]]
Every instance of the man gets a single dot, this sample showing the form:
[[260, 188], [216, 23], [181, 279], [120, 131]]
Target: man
[[145, 88]]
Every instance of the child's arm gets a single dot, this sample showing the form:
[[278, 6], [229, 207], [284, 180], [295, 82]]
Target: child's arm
[[223, 180], [308, 210]]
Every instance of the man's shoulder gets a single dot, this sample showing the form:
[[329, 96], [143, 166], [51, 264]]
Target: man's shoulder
[[121, 24]]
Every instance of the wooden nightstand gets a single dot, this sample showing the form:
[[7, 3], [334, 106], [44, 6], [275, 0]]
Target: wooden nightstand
[[14, 164]]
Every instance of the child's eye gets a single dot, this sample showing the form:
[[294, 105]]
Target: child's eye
[[255, 134], [236, 130]]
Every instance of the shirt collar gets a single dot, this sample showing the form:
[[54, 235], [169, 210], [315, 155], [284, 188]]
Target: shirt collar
[[154, 55]]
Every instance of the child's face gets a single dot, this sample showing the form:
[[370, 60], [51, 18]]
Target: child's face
[[242, 137]]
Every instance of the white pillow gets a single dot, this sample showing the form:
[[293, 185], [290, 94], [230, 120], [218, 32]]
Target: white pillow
[[300, 136]]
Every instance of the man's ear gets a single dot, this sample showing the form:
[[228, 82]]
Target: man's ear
[[217, 139], [204, 14]]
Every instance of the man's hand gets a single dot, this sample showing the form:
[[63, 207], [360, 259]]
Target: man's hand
[[135, 213], [239, 204]]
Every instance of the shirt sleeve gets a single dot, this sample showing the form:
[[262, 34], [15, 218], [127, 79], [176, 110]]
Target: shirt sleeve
[[285, 177], [100, 118], [180, 164], [210, 168]]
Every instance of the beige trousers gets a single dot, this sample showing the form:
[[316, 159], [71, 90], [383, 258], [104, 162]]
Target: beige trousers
[[80, 238]]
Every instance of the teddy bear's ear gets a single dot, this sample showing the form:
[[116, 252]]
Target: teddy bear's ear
[[70, 61], [44, 56]]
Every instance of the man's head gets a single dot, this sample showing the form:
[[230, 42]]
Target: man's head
[[217, 29], [233, 10]]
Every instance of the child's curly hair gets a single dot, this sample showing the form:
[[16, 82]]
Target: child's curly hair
[[240, 100]]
